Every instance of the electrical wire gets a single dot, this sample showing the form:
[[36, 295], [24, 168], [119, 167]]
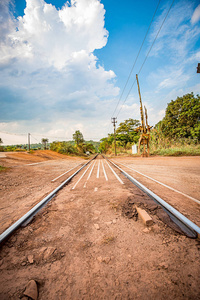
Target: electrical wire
[[147, 54], [136, 58], [48, 136]]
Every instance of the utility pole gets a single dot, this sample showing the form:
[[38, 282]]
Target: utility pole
[[144, 129], [29, 141], [141, 107], [113, 120], [198, 68]]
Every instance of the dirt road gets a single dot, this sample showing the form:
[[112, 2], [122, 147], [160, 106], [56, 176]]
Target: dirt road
[[88, 243]]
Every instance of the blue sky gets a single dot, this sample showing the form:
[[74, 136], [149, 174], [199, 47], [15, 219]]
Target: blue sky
[[63, 66]]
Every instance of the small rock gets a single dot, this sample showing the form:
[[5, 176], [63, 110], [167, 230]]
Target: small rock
[[31, 290], [129, 255], [30, 259], [108, 223], [23, 263], [163, 266], [114, 221], [97, 226], [97, 212], [146, 230], [106, 259], [100, 259], [62, 254], [49, 251]]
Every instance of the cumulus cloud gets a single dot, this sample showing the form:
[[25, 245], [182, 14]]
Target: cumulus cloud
[[53, 36], [47, 66], [196, 15]]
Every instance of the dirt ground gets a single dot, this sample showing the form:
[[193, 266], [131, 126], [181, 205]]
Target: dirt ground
[[88, 242]]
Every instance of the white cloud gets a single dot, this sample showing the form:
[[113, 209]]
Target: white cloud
[[177, 35], [56, 37], [196, 15], [175, 77], [48, 70]]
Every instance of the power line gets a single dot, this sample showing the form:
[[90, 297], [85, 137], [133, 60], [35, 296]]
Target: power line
[[22, 134], [136, 58], [48, 136], [147, 54]]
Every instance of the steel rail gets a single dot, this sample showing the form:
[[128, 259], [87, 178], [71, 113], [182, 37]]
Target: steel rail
[[33, 211], [187, 226]]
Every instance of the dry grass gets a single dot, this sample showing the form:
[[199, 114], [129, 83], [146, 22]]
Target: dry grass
[[108, 239]]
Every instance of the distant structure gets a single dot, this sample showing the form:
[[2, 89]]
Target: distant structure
[[144, 128], [198, 68]]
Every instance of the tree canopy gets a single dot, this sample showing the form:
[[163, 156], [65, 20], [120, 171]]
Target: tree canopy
[[44, 142], [78, 137], [182, 118], [126, 132]]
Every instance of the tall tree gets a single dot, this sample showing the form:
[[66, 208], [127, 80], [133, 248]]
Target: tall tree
[[182, 118], [78, 138], [44, 142], [126, 132]]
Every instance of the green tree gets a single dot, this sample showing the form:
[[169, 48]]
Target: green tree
[[182, 118], [90, 148], [106, 143], [126, 132], [78, 138], [44, 142]]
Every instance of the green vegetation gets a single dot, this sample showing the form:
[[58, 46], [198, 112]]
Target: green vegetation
[[182, 119], [2, 168], [126, 136], [44, 142], [179, 131], [177, 134], [78, 138], [77, 147]]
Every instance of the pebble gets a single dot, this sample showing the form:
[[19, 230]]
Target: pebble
[[30, 259], [108, 223], [99, 258], [48, 252], [114, 221], [97, 226], [23, 263], [106, 259], [146, 230]]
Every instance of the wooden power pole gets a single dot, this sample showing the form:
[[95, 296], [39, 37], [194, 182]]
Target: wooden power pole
[[144, 129], [113, 120]]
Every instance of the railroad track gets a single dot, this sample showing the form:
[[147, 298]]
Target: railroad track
[[187, 226]]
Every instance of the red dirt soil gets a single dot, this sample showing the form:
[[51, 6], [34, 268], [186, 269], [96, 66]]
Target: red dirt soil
[[88, 242]]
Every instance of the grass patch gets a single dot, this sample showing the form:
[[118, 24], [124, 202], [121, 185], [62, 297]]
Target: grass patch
[[108, 239], [2, 168], [185, 150]]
